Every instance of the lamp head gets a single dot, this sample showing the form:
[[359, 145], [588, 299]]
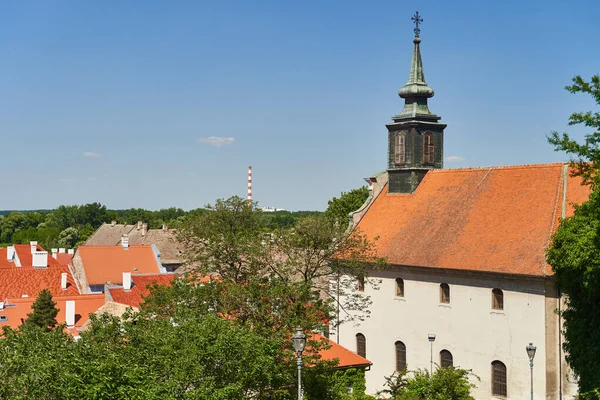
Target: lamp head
[[299, 340], [530, 351], [431, 337]]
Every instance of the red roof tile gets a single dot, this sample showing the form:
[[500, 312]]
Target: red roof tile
[[496, 219], [104, 264], [18, 309], [64, 258], [139, 290], [345, 357]]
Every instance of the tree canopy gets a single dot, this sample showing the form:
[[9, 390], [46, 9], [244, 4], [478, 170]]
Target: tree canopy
[[339, 209], [44, 312], [574, 253]]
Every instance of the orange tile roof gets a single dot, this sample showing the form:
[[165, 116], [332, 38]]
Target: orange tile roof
[[139, 290], [18, 309], [345, 357], [26, 280], [104, 264], [64, 258], [496, 219]]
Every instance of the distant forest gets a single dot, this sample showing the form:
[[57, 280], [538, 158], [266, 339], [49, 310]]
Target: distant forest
[[69, 226]]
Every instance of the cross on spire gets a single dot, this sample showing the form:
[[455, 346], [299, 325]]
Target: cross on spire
[[417, 20]]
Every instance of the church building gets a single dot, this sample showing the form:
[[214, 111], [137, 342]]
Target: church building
[[466, 282]]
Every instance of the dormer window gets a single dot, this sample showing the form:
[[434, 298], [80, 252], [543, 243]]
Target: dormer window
[[428, 148], [400, 149]]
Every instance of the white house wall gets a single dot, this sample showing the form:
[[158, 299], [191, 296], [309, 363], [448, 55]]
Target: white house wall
[[468, 327]]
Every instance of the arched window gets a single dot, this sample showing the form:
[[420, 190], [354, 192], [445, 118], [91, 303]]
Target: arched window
[[498, 378], [399, 287], [444, 293], [497, 299], [446, 359], [400, 148], [400, 356], [428, 148], [360, 283], [361, 345]]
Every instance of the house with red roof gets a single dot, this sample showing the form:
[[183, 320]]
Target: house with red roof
[[97, 266], [466, 281]]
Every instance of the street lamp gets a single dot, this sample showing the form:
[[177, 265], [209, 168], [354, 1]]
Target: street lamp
[[431, 338], [531, 353], [299, 340]]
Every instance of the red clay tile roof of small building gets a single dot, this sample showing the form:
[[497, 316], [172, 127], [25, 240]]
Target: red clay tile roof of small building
[[346, 358], [104, 264], [26, 280], [64, 258], [139, 290], [86, 304], [497, 219]]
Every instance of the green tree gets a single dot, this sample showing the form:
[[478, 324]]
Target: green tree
[[44, 312], [574, 253], [444, 384], [68, 238], [339, 209]]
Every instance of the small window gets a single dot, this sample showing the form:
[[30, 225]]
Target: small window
[[361, 283], [399, 287], [400, 148], [3, 318], [444, 293], [498, 379], [428, 148], [446, 359], [400, 356], [497, 299], [361, 345]]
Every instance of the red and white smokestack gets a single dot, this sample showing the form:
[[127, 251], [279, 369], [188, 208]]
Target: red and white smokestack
[[250, 184]]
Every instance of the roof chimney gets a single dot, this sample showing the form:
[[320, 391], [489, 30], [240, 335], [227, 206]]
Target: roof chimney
[[144, 229], [61, 249], [126, 281], [125, 242], [113, 222], [71, 251], [40, 259], [33, 246], [63, 281], [10, 253], [139, 225], [70, 313], [165, 227], [54, 252]]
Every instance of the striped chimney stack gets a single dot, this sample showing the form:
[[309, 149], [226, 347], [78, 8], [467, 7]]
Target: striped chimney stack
[[250, 184]]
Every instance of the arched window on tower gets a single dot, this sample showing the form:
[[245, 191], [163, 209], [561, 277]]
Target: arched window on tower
[[499, 379], [400, 149], [446, 359], [497, 299], [428, 148], [400, 356], [361, 345], [444, 293]]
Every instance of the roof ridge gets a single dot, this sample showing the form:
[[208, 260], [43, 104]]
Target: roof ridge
[[498, 167]]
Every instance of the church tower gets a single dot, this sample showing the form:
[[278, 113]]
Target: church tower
[[416, 137]]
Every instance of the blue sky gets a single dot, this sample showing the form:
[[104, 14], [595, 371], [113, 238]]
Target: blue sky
[[113, 101]]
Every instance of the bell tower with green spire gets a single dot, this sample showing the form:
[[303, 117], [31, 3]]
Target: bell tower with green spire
[[416, 137]]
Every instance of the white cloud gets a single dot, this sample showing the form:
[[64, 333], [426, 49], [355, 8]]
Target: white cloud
[[216, 140], [89, 154], [454, 159]]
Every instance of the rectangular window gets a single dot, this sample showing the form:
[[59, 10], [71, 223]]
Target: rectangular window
[[361, 283], [428, 148], [400, 148]]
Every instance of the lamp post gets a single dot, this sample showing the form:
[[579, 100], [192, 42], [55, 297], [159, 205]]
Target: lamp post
[[431, 338], [299, 340], [531, 353]]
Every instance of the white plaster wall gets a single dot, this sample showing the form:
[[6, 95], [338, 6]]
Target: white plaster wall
[[475, 334]]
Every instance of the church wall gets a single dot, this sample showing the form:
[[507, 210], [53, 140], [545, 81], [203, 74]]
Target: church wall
[[468, 327]]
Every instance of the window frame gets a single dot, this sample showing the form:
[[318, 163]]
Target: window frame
[[443, 362], [399, 285], [428, 148], [497, 299], [361, 345], [499, 382], [400, 350], [444, 293], [400, 148]]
